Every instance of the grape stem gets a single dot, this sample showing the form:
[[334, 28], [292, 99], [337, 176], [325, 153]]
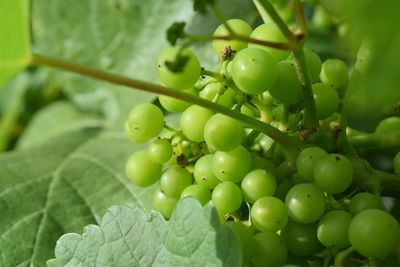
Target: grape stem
[[341, 256], [376, 140], [269, 130]]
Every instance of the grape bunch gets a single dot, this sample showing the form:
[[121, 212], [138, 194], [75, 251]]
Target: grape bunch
[[287, 206]]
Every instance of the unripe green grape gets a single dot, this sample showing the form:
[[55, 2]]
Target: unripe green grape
[[174, 180], [334, 72], [270, 32], [197, 191], [287, 88], [333, 173], [326, 100], [173, 104], [301, 239], [268, 214], [321, 18], [247, 111], [145, 121], [306, 160], [178, 80], [388, 125], [239, 27], [211, 90], [272, 251], [231, 165], [164, 204], [246, 239], [333, 228], [258, 183], [258, 162], [374, 233], [141, 170], [314, 64], [193, 121], [160, 151], [254, 71], [396, 164], [305, 203], [363, 201], [203, 173], [227, 198], [222, 132]]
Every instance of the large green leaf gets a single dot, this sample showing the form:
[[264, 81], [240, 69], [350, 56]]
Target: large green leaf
[[127, 237], [14, 38]]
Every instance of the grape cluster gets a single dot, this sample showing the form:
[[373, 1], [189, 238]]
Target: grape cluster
[[282, 214]]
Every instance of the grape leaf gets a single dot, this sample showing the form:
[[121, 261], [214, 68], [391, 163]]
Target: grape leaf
[[14, 38], [127, 237]]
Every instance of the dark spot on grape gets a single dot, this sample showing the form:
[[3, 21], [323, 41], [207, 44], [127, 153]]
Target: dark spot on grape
[[222, 171], [308, 195], [278, 221], [225, 86], [252, 59], [291, 64], [310, 157], [337, 158], [159, 65], [202, 68], [203, 179]]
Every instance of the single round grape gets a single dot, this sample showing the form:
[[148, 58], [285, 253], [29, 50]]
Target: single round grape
[[333, 228], [321, 18], [198, 191], [334, 72], [268, 214], [258, 183], [396, 164], [222, 132], [239, 27], [374, 233], [388, 125], [141, 170], [246, 239], [178, 80], [270, 32], [272, 251], [301, 239], [145, 121], [363, 201], [164, 204], [333, 173], [173, 104], [174, 180], [211, 90], [326, 100], [287, 88], [193, 121], [314, 64], [160, 151], [305, 203], [203, 173], [258, 162], [231, 165], [254, 71], [306, 160], [227, 198]]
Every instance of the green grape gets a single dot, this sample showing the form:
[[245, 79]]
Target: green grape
[[321, 18], [313, 62], [254, 71], [305, 203], [198, 191], [334, 72], [246, 239], [268, 214], [326, 100], [193, 121], [178, 80], [287, 88], [306, 160], [141, 170], [258, 183], [160, 151], [222, 132], [258, 162], [270, 32], [396, 164], [203, 173], [301, 239], [173, 104], [164, 204], [145, 121], [239, 27], [363, 201], [333, 173], [333, 228], [174, 180], [227, 198], [211, 90], [388, 125], [231, 165], [374, 233], [272, 251], [247, 111]]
